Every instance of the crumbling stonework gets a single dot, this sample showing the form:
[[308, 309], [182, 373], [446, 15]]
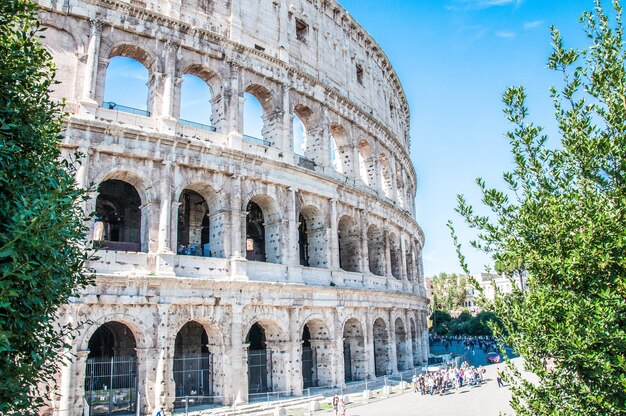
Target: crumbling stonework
[[231, 265]]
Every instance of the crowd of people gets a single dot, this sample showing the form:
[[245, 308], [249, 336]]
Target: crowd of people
[[485, 343], [439, 382]]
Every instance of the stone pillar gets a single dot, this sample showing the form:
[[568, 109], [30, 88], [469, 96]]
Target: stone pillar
[[286, 130], [283, 31], [393, 192], [365, 262], [333, 246], [233, 97], [169, 67], [237, 371], [337, 349], [91, 66], [165, 225], [236, 216], [409, 339], [378, 172], [235, 21], [292, 249], [403, 270], [147, 361], [425, 346], [66, 392], [80, 368], [162, 378], [368, 342], [387, 249], [392, 346], [174, 226], [281, 366]]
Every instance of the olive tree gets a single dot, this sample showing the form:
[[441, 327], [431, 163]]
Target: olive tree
[[562, 225], [42, 224]]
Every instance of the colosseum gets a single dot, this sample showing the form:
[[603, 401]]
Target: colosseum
[[231, 264]]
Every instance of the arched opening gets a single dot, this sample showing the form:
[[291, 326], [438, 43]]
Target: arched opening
[[195, 103], [339, 159], [354, 358], [376, 250], [303, 242], [299, 136], [385, 173], [263, 233], [402, 351], [349, 253], [416, 359], [312, 238], [255, 233], [253, 122], [194, 225], [367, 165], [117, 223], [126, 86], [395, 255], [259, 361], [193, 367], [316, 355], [381, 348], [111, 373]]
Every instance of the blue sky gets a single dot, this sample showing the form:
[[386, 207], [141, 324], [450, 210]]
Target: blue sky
[[455, 58]]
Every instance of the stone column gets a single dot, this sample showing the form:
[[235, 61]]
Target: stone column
[[368, 341], [393, 192], [334, 237], [91, 66], [403, 271], [336, 344], [425, 346], [233, 97], [281, 367], [378, 172], [236, 380], [365, 263], [166, 208], [392, 346], [174, 226], [80, 369], [235, 220], [162, 363], [286, 130], [387, 249], [283, 31], [292, 252], [235, 21]]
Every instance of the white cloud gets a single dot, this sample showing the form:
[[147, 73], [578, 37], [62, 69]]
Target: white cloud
[[505, 34], [481, 4], [532, 24]]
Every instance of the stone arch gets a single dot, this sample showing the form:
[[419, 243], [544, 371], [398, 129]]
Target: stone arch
[[380, 336], [395, 255], [263, 229], [132, 51], [376, 250], [313, 241], [385, 175], [339, 148], [402, 349], [118, 223], [265, 357], [414, 343], [197, 83], [145, 189], [302, 142], [194, 366], [269, 118], [367, 163], [349, 244], [111, 368], [134, 324], [317, 365], [354, 356]]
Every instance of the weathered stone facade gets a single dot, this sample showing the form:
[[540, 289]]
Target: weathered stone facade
[[228, 251]]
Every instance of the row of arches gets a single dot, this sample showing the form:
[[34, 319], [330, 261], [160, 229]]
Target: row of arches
[[125, 76], [201, 218], [126, 89], [113, 366]]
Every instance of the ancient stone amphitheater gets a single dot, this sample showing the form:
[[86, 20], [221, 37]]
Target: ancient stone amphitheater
[[231, 265]]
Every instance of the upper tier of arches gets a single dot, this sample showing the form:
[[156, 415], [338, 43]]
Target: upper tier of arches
[[336, 128]]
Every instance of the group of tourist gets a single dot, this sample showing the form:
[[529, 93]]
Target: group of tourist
[[485, 343], [439, 382]]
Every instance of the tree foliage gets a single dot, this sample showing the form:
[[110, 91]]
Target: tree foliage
[[449, 292], [562, 223], [41, 256], [464, 324]]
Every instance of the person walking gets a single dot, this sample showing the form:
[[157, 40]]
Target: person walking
[[499, 378]]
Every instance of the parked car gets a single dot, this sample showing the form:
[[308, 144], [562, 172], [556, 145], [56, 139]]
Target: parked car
[[493, 357]]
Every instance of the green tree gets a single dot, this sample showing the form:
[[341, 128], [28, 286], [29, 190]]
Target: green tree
[[449, 292], [41, 250], [562, 224]]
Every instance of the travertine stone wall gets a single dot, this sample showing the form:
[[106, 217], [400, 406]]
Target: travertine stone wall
[[361, 297]]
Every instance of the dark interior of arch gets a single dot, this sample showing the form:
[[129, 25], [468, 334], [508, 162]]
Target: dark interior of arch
[[112, 339], [194, 228], [303, 242], [191, 339], [255, 233], [256, 337], [118, 216]]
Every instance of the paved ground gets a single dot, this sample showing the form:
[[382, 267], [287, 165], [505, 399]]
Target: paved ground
[[485, 400]]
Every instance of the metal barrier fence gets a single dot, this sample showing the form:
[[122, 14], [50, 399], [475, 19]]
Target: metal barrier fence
[[111, 385], [256, 140], [196, 125], [117, 107]]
